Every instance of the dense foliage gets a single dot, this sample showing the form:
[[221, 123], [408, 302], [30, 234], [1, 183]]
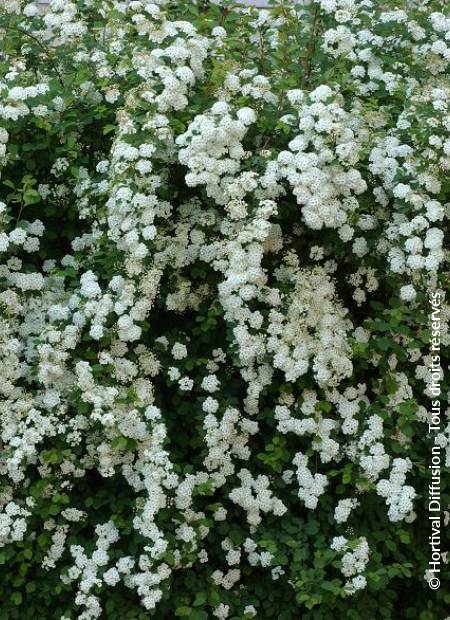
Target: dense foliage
[[221, 229]]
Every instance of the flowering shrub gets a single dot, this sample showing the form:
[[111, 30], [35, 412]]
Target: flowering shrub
[[220, 232]]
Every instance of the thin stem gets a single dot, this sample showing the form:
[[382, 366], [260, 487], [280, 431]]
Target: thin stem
[[20, 213], [311, 48], [262, 50]]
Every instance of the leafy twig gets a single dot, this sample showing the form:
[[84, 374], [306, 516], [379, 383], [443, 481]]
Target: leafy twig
[[43, 48]]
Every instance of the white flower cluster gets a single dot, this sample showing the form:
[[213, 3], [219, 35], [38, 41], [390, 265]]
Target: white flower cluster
[[13, 523], [353, 562], [399, 496], [311, 486], [255, 496], [319, 165], [344, 508], [226, 438], [86, 570], [213, 151], [374, 458], [311, 331]]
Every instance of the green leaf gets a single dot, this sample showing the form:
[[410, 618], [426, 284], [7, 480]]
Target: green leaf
[[390, 544], [183, 611], [200, 599], [108, 129], [31, 197]]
